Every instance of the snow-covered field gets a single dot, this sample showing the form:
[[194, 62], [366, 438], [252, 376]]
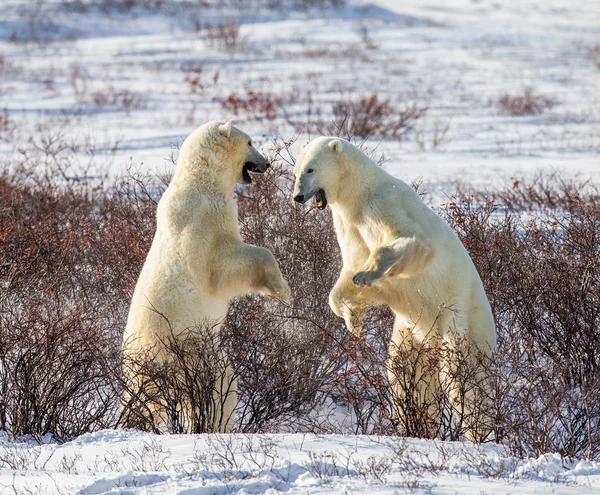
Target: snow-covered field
[[127, 86], [129, 462], [137, 82]]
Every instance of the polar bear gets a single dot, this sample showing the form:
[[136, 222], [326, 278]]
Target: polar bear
[[197, 261], [396, 251]]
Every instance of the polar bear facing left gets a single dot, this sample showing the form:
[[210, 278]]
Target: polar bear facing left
[[398, 252], [198, 262]]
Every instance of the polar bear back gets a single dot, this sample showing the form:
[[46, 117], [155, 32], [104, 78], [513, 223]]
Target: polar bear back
[[372, 210]]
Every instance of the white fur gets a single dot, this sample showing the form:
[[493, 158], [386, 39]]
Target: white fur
[[395, 250], [197, 261]]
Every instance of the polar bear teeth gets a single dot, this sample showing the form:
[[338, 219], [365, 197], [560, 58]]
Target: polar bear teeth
[[246, 169], [320, 200]]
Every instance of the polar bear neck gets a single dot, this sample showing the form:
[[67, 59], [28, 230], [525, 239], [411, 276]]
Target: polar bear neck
[[358, 177], [207, 172]]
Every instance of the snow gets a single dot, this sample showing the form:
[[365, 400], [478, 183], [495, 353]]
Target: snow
[[132, 462], [456, 59]]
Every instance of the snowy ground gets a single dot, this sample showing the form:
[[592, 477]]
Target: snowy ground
[[137, 82], [130, 462]]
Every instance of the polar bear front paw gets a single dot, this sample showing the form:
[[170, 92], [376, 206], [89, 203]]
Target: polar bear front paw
[[281, 290], [284, 293], [366, 278]]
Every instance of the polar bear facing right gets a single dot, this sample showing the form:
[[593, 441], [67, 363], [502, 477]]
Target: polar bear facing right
[[396, 251], [198, 261]]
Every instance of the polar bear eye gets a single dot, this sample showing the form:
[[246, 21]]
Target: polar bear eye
[[249, 143], [310, 171]]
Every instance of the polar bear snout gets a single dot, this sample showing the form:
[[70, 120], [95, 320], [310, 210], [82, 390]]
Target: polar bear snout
[[306, 187], [320, 199], [255, 168], [259, 166]]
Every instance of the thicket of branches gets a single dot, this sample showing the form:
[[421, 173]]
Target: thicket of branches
[[71, 250]]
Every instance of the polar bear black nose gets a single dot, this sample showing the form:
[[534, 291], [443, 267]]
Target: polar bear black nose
[[299, 198]]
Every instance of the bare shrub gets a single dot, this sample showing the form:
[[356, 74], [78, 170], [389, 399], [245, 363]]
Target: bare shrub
[[38, 23], [365, 37], [428, 389], [432, 138], [372, 117], [307, 119], [542, 280], [283, 352], [124, 99], [125, 5], [305, 4], [255, 105], [184, 390], [527, 103], [78, 78], [21, 459], [196, 81], [67, 263], [541, 410], [546, 192], [595, 55], [224, 36], [51, 371], [7, 126]]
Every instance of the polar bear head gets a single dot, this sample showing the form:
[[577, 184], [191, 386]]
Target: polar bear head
[[220, 153], [319, 168]]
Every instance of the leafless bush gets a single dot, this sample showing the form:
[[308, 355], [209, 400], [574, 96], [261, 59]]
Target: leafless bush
[[237, 456], [543, 284], [24, 457], [123, 5], [365, 37], [51, 371], [255, 105], [283, 352], [196, 81], [372, 117], [546, 192], [527, 103], [428, 390], [124, 99], [150, 456], [595, 55], [38, 23], [78, 78], [542, 411], [66, 267], [7, 126], [184, 390], [308, 118], [72, 243], [432, 138], [224, 36], [305, 4]]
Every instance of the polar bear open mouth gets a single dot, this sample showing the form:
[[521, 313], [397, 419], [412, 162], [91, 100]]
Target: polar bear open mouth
[[250, 167], [320, 200]]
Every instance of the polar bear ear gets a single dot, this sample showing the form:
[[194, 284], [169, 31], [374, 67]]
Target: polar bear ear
[[225, 129], [336, 145]]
